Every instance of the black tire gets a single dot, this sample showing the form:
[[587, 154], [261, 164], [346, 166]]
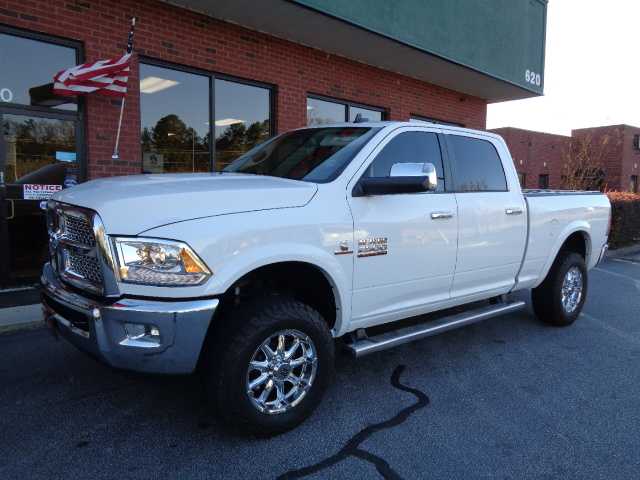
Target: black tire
[[547, 297], [245, 329]]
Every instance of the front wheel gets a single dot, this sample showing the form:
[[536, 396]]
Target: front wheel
[[559, 299], [272, 366]]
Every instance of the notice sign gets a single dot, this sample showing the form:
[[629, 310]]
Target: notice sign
[[36, 191]]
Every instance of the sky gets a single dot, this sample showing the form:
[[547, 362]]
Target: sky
[[592, 70]]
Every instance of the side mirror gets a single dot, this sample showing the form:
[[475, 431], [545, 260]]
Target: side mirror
[[403, 178]]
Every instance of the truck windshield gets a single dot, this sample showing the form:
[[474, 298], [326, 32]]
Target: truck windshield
[[316, 155]]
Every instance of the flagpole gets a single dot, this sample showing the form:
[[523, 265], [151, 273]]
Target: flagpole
[[116, 153]]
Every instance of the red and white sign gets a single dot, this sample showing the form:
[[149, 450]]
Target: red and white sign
[[36, 191]]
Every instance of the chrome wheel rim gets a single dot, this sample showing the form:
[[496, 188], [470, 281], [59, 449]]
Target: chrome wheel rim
[[572, 286], [281, 371]]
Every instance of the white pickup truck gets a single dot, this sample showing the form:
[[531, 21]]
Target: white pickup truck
[[333, 232]]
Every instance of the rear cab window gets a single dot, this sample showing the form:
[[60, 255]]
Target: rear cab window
[[476, 165]]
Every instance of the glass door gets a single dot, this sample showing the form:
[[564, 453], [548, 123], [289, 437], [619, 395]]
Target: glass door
[[37, 158]]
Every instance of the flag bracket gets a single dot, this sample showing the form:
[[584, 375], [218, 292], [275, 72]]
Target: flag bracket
[[116, 152]]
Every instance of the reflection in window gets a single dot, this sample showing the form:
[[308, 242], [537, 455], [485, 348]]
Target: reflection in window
[[26, 72], [408, 147], [174, 109], [418, 118], [242, 119], [313, 155], [39, 150], [477, 166], [365, 113], [320, 112]]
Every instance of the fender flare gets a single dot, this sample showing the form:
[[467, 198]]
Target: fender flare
[[579, 226], [281, 253]]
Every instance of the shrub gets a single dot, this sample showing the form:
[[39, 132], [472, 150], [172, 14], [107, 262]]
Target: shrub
[[625, 221]]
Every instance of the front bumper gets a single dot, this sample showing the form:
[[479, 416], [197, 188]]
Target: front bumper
[[98, 328]]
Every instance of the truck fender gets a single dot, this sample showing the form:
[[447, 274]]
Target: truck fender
[[573, 227], [257, 257]]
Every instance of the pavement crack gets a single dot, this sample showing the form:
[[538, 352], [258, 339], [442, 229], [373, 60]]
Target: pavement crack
[[352, 447]]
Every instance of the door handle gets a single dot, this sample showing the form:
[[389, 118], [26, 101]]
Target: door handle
[[12, 215], [513, 211], [441, 215]]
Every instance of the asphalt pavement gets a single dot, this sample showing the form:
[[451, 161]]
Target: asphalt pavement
[[506, 398]]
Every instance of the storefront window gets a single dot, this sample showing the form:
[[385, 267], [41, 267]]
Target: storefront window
[[174, 108], [175, 115], [419, 118], [26, 72], [321, 111], [370, 115], [242, 119]]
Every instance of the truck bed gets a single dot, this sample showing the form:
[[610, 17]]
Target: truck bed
[[552, 216], [538, 192]]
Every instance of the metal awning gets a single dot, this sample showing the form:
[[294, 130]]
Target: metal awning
[[310, 27]]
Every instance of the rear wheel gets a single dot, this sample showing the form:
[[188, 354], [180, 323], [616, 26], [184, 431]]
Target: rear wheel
[[559, 299], [270, 366]]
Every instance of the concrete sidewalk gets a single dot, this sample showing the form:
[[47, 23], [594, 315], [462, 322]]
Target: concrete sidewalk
[[24, 316], [30, 316]]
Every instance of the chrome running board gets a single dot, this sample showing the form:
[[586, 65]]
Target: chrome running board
[[364, 346]]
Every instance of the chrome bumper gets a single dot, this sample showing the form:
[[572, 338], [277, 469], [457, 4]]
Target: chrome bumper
[[103, 329]]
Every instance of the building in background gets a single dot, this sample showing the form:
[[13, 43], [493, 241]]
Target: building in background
[[606, 157], [210, 79]]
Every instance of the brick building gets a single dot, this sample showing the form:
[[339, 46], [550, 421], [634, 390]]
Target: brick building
[[541, 158], [536, 155], [210, 79]]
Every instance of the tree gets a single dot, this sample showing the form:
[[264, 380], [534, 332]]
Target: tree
[[584, 160]]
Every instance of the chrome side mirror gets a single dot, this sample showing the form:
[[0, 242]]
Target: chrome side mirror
[[426, 170]]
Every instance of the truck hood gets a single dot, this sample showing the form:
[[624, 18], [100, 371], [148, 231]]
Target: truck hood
[[130, 205]]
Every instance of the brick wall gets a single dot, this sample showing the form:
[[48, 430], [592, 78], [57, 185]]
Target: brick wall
[[536, 153], [180, 36]]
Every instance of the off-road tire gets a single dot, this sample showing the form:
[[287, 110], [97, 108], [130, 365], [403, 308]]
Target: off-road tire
[[232, 346], [547, 297]]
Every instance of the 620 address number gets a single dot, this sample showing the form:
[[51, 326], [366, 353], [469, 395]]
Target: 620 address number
[[532, 77]]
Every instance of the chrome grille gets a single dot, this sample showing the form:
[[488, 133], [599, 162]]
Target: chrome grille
[[85, 267], [74, 253], [77, 229]]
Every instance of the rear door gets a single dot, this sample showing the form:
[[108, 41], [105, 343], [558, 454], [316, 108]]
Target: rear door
[[413, 236], [491, 216]]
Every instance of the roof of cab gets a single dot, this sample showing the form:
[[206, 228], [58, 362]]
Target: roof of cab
[[413, 123]]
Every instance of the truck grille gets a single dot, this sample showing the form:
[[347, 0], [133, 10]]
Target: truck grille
[[77, 229], [85, 267], [72, 245]]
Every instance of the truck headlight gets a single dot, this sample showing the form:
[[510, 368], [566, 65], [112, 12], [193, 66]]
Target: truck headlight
[[151, 261]]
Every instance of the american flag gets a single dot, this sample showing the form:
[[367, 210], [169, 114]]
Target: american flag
[[105, 77]]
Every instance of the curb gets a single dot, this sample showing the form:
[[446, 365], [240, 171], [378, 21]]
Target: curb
[[624, 251], [20, 318], [16, 327]]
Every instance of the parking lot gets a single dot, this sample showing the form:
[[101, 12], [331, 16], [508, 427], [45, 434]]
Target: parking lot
[[507, 398]]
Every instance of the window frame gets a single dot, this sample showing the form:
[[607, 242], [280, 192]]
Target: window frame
[[384, 141], [452, 163], [444, 179], [78, 116], [212, 76], [348, 105]]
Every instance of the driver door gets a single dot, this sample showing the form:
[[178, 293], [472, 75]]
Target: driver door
[[413, 235]]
